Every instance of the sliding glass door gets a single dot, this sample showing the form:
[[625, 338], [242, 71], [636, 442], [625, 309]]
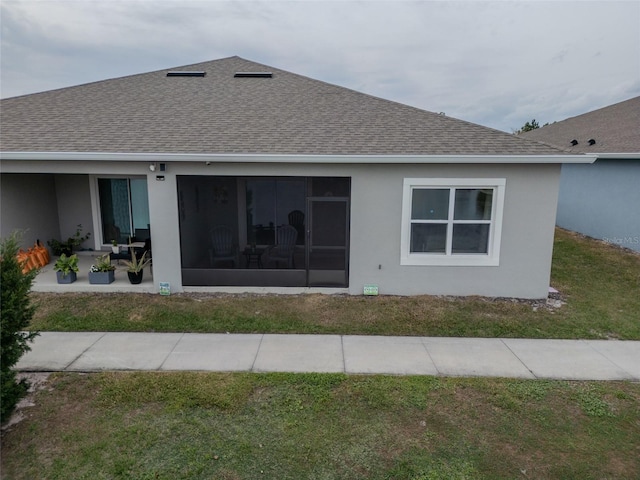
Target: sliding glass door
[[124, 209]]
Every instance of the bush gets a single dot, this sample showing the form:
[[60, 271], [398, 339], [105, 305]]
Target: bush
[[16, 312]]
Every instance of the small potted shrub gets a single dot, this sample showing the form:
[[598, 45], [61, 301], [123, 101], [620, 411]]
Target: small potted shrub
[[135, 267], [114, 246], [59, 247], [66, 268], [102, 272]]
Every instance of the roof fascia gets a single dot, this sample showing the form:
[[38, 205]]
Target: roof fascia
[[618, 156], [292, 158]]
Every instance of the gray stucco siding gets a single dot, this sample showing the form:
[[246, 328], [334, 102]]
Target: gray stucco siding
[[602, 201], [28, 204], [375, 220], [74, 207], [375, 229], [527, 234], [46, 206]]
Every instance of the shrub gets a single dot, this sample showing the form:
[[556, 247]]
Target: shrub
[[103, 264], [16, 312]]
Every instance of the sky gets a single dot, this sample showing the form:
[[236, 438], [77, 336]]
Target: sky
[[495, 63]]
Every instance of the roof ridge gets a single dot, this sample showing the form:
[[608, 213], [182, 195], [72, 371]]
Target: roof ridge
[[291, 113]]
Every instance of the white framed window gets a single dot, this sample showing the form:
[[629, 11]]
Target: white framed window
[[452, 221]]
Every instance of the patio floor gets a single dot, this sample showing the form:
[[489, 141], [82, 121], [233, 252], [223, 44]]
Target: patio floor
[[46, 280]]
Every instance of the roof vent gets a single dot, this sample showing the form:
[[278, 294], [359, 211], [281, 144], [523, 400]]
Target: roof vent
[[592, 141], [574, 142], [253, 75], [188, 73]]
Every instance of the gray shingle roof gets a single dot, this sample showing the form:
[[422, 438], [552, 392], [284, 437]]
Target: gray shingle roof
[[615, 129], [217, 113]]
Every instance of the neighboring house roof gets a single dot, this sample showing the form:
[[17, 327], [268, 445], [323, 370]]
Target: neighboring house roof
[[615, 129], [221, 114]]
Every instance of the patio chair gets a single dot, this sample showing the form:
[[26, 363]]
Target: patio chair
[[282, 252], [222, 247], [296, 219]]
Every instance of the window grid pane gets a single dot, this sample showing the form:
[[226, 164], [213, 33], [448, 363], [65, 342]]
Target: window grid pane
[[430, 204], [470, 238], [473, 204], [428, 238]]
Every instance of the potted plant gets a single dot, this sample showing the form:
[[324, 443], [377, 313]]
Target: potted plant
[[114, 246], [59, 247], [66, 268], [102, 272], [135, 267]]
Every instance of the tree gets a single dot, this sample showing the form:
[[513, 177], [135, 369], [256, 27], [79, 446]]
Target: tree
[[527, 127], [16, 311]]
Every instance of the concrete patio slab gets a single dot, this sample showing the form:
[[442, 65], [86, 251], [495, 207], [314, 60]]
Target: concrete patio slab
[[217, 352], [300, 353], [565, 360], [46, 280], [625, 355], [127, 351], [389, 355], [54, 351], [474, 357]]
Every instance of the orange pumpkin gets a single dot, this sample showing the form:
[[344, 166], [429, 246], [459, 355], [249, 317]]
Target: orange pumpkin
[[23, 260]]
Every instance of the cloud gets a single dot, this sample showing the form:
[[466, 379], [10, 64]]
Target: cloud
[[491, 62]]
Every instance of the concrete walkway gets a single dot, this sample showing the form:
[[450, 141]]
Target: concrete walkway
[[469, 357]]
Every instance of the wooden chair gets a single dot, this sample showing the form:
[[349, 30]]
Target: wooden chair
[[282, 252], [222, 246], [296, 219]]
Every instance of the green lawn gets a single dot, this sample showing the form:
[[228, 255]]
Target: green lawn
[[193, 425], [599, 283], [330, 426]]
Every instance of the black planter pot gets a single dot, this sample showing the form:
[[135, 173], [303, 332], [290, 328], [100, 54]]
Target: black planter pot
[[135, 277]]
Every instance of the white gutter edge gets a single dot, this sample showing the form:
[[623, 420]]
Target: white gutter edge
[[618, 156], [260, 158]]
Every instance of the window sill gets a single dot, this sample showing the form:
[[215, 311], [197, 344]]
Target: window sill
[[451, 260]]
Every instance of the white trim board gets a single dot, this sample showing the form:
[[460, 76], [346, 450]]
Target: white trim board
[[212, 158]]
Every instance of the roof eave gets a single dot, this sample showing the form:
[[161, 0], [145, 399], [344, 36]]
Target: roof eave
[[294, 158], [618, 156]]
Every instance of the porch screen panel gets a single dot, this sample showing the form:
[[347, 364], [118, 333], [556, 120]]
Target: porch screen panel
[[290, 207], [254, 231], [273, 203], [261, 200], [328, 248], [208, 210]]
